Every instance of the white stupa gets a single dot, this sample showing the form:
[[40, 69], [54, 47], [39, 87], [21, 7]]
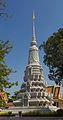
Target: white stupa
[[33, 90]]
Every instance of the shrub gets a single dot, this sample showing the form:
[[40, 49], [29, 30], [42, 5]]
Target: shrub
[[59, 112], [43, 114], [38, 113], [5, 113]]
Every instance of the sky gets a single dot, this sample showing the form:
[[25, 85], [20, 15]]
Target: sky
[[18, 29]]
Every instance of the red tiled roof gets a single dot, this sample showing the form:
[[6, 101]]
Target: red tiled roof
[[10, 104]]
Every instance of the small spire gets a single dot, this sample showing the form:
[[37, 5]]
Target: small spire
[[33, 30], [33, 15]]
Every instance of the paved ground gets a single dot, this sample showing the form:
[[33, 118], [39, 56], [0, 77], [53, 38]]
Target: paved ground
[[31, 118]]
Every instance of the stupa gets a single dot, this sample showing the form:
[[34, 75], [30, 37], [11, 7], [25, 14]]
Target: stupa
[[34, 89]]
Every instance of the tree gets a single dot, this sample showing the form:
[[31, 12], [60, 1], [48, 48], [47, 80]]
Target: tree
[[2, 103], [5, 48], [53, 57], [13, 98]]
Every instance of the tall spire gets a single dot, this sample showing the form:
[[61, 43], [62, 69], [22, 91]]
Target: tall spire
[[33, 30], [33, 51]]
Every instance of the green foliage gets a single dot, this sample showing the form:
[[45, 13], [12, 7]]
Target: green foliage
[[2, 103], [44, 114], [60, 111], [53, 57], [5, 48], [13, 98], [5, 71], [38, 113], [5, 113]]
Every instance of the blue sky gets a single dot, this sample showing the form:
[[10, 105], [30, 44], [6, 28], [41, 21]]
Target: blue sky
[[49, 18]]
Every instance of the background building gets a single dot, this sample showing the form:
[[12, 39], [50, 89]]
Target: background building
[[56, 91]]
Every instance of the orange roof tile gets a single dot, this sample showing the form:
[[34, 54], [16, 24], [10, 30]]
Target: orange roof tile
[[50, 89], [56, 92]]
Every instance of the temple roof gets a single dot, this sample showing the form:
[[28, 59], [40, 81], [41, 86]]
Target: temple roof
[[56, 91]]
